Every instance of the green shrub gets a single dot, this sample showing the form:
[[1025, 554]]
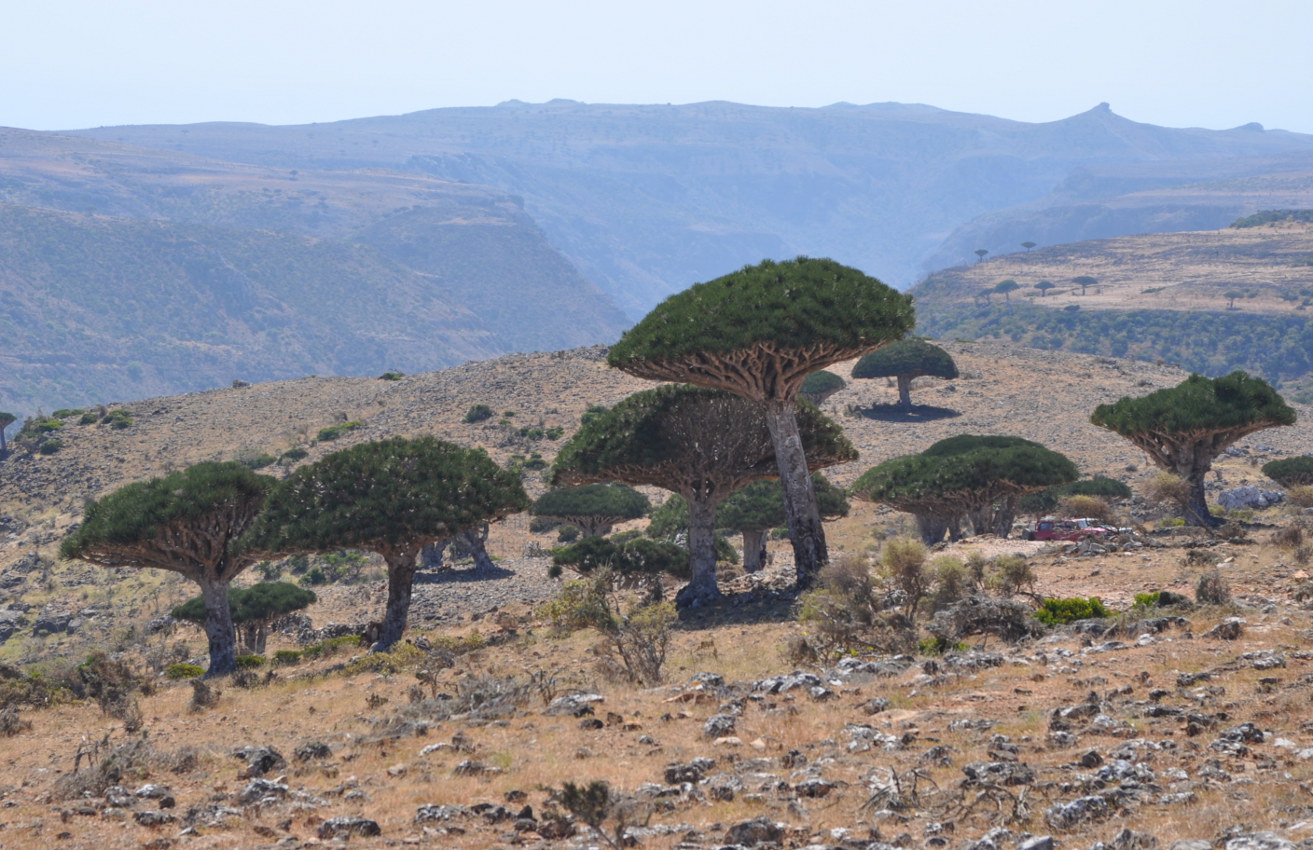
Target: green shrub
[[625, 556], [178, 672], [392, 376], [287, 656], [88, 419], [250, 662], [256, 461], [45, 426], [67, 413], [477, 413], [117, 419], [1057, 612], [332, 432], [1147, 600], [49, 447], [292, 456], [328, 647]]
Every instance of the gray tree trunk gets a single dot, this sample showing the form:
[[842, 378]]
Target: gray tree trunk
[[1193, 467], [754, 549], [401, 581], [904, 391], [701, 589], [805, 530], [932, 528], [219, 628], [473, 541]]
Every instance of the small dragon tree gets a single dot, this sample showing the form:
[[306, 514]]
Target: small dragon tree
[[1291, 471], [392, 497], [1183, 428], [820, 385], [593, 508], [254, 609], [700, 443], [755, 509], [906, 360], [967, 476], [758, 333], [187, 523]]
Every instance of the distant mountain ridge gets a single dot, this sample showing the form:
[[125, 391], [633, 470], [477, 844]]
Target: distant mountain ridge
[[646, 200], [160, 259]]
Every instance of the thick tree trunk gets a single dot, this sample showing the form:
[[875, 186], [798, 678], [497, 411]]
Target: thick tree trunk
[[473, 540], [219, 628], [401, 580], [430, 557], [904, 391], [701, 589], [932, 528], [1196, 505], [754, 549], [805, 529]]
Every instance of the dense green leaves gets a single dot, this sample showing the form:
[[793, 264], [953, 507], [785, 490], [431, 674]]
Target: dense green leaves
[[214, 500], [1046, 500], [795, 304], [1291, 471], [395, 493], [1198, 404], [820, 385], [912, 356], [682, 438], [760, 505], [616, 501], [260, 602]]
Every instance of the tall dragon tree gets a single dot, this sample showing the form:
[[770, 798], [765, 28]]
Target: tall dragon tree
[[187, 523], [1183, 428], [392, 497], [700, 443], [758, 333]]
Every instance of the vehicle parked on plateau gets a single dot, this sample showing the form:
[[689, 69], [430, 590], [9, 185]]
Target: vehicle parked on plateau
[[1051, 528]]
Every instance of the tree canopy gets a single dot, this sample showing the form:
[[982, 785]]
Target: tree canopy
[[820, 385], [758, 333], [1290, 471], [392, 497], [906, 360], [253, 608], [700, 443], [1046, 500], [187, 523], [980, 478], [1183, 428], [593, 508]]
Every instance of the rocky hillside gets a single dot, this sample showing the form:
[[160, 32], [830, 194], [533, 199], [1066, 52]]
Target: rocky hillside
[[1180, 727], [128, 272], [1209, 301]]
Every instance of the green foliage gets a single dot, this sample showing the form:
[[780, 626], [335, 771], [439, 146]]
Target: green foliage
[[332, 432], [1148, 600], [787, 306], [330, 646], [616, 502], [262, 602], [1057, 612], [392, 376], [67, 413], [49, 447], [284, 657], [178, 672], [250, 662], [634, 555], [257, 461], [964, 473], [385, 494], [592, 411], [119, 419], [913, 357], [88, 419], [820, 385], [679, 436], [216, 500], [1291, 471], [1272, 217], [292, 455]]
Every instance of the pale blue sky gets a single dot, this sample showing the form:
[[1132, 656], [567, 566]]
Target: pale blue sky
[[1181, 63]]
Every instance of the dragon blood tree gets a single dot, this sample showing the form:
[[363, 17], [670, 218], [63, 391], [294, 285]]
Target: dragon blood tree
[[700, 443], [1183, 428], [758, 333]]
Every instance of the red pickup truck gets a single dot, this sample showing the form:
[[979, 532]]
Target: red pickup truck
[[1050, 528]]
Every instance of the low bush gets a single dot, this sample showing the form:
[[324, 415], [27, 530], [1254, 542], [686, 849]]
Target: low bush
[[178, 672], [477, 413], [250, 662], [332, 432], [284, 657], [1057, 612], [1212, 589]]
